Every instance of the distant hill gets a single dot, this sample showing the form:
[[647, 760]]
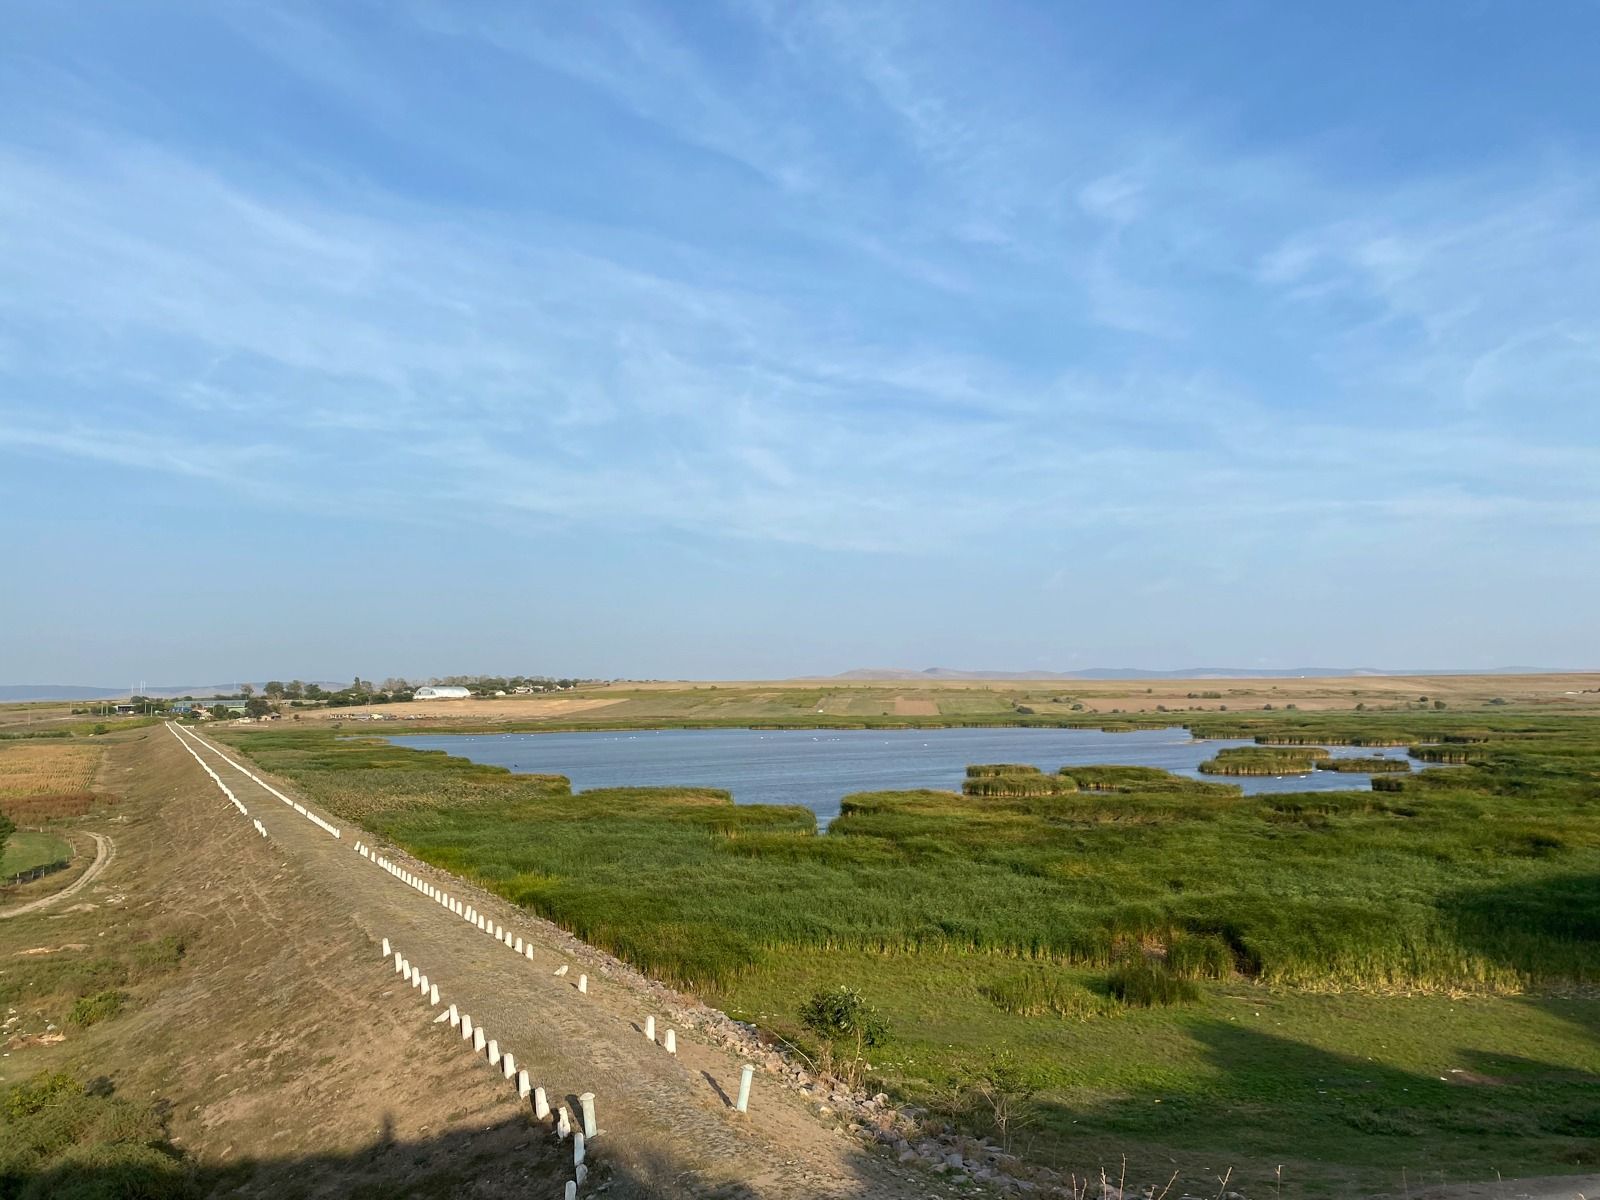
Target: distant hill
[[934, 673], [14, 693]]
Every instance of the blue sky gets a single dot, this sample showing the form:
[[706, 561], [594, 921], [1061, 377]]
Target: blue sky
[[748, 339]]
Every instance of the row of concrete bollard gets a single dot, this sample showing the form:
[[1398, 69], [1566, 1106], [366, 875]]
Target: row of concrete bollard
[[506, 1063], [204, 766], [181, 734]]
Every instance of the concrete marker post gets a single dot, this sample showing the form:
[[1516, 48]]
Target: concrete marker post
[[433, 995], [572, 1190], [493, 1050], [746, 1073], [527, 952], [386, 950], [508, 1064], [397, 961], [479, 1042], [583, 984], [577, 1149], [466, 1028], [541, 1105], [649, 1029], [455, 1018], [518, 946], [523, 1086], [563, 1125], [672, 1041], [586, 1102], [580, 1173], [561, 970]]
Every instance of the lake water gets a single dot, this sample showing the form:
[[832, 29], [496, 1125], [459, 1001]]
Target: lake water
[[817, 768]]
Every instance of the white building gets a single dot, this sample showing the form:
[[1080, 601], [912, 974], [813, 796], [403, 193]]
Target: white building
[[440, 693]]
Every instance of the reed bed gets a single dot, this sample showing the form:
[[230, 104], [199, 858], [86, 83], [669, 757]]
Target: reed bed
[[1374, 765], [1264, 760], [1343, 891]]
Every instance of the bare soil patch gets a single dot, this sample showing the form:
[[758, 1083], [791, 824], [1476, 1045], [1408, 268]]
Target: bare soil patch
[[477, 711]]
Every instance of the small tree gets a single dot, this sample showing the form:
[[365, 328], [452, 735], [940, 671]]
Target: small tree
[[843, 1021], [256, 707], [246, 690], [7, 828], [1004, 1089], [274, 689]]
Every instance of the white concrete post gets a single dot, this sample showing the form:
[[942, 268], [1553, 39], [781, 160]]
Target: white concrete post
[[466, 1027], [577, 1149], [397, 961], [433, 995], [523, 1086], [583, 984], [672, 1041], [541, 1106], [563, 1125], [479, 1042], [508, 1064], [745, 1075], [649, 1029], [586, 1102], [580, 1173], [422, 983], [527, 952], [572, 1190], [405, 972], [518, 946], [494, 1053], [562, 969], [386, 950], [455, 1018]]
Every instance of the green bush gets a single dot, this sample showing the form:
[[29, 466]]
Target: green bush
[[91, 1010], [840, 1015]]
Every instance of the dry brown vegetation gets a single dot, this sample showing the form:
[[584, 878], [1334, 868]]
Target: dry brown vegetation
[[47, 767]]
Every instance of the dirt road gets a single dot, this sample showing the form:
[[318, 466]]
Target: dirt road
[[667, 1127]]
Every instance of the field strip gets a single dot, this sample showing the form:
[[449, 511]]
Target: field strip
[[104, 851]]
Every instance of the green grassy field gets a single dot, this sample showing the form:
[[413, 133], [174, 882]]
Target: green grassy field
[[26, 850], [1386, 980]]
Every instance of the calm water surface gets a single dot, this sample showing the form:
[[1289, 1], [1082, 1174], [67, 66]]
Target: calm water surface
[[817, 768]]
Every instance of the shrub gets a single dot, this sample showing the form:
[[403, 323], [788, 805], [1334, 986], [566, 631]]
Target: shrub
[[91, 1010], [846, 1025]]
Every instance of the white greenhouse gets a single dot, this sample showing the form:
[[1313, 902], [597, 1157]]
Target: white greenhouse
[[440, 693]]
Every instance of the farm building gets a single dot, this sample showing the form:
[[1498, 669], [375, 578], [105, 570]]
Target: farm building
[[440, 693]]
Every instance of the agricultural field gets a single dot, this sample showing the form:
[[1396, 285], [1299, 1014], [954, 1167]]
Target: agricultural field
[[833, 704], [1348, 983], [46, 766]]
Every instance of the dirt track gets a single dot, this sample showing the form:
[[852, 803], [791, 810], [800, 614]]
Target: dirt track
[[666, 1126]]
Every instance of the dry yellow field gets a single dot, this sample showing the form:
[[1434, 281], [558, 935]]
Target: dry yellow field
[[440, 712], [31, 768]]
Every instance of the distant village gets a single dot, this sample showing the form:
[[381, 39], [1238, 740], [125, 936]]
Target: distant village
[[274, 699]]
